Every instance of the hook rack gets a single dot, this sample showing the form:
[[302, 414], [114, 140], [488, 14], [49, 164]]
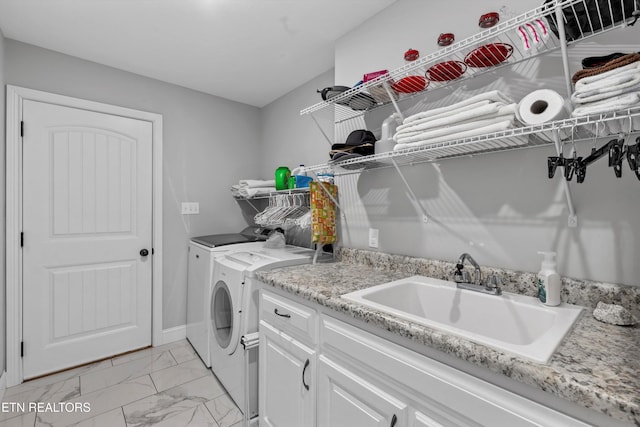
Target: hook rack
[[615, 150], [286, 207]]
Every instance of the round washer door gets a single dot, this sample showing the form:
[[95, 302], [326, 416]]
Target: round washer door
[[225, 318]]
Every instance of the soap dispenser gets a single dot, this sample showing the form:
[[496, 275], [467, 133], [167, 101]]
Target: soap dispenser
[[549, 280]]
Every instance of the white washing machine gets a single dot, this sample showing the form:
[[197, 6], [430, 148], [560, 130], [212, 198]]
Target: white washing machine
[[202, 253], [234, 321]]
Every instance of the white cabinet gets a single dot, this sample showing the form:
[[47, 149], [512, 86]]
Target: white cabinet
[[287, 365], [347, 400], [287, 380], [317, 370]]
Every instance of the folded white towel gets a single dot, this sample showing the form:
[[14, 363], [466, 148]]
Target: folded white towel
[[484, 112], [585, 97], [608, 105], [494, 96], [630, 68], [441, 115], [460, 127], [257, 183], [494, 127], [250, 192]]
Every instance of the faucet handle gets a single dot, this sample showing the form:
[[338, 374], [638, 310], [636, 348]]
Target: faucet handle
[[493, 281], [457, 276], [461, 275], [466, 277]]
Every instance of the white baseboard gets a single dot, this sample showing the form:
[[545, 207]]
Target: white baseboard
[[174, 334], [3, 385]]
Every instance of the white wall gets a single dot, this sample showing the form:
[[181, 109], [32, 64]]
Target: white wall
[[289, 139], [500, 207], [209, 143], [3, 286]]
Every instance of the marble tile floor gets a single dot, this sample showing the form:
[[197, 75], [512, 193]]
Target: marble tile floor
[[165, 386]]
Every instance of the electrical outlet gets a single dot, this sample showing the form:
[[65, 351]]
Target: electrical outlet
[[190, 208], [373, 237]]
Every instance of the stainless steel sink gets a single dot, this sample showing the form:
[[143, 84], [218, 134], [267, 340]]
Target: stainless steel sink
[[512, 323]]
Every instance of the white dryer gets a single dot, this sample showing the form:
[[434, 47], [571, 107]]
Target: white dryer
[[234, 310], [202, 253]]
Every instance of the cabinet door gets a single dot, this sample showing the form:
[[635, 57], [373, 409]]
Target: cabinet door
[[287, 380], [347, 400]]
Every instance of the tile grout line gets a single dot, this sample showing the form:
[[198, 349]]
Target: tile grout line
[[211, 413]]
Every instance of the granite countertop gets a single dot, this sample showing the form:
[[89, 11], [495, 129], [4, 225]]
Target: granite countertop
[[596, 365]]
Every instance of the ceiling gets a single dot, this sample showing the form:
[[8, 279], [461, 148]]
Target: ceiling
[[250, 51]]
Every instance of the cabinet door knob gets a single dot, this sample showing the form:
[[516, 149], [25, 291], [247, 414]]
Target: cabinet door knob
[[394, 420], [275, 310], [306, 365]]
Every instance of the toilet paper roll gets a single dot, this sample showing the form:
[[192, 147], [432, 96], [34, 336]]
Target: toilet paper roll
[[542, 106]]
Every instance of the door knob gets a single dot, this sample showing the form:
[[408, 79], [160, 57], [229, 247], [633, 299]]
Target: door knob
[[144, 252]]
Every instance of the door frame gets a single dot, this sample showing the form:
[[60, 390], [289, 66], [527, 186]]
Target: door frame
[[15, 97]]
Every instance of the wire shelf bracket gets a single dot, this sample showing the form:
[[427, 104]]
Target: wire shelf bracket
[[573, 217], [412, 194]]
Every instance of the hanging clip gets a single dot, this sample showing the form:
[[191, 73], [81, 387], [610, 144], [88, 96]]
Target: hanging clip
[[633, 157], [581, 170], [616, 155], [553, 162], [571, 165]]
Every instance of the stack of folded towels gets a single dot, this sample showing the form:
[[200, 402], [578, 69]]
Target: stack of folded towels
[[485, 113], [611, 87], [248, 188]]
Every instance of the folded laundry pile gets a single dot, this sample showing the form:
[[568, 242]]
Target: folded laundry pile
[[485, 113], [248, 188], [611, 87]]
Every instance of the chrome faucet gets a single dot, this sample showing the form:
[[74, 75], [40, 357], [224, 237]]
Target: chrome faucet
[[463, 279]]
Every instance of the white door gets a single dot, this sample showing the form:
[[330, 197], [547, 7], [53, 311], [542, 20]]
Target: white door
[[346, 400], [87, 215], [287, 380]]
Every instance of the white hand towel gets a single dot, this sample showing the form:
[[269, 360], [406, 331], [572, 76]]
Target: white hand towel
[[484, 112], [616, 103], [451, 130], [494, 127], [612, 80], [615, 89], [441, 115], [493, 95], [257, 183], [633, 67], [249, 192]]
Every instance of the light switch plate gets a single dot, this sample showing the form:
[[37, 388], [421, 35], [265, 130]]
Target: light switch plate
[[190, 208], [373, 237]]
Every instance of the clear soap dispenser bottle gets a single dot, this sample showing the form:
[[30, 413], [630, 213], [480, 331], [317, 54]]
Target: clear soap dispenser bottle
[[549, 280]]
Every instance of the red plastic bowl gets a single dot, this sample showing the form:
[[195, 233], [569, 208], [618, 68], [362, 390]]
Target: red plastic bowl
[[445, 71], [410, 84], [445, 39], [411, 55], [488, 55], [489, 20]]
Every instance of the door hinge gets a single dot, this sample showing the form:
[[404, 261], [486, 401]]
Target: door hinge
[[21, 239], [21, 348], [21, 128]]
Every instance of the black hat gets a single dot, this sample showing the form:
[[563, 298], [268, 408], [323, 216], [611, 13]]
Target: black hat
[[358, 142]]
